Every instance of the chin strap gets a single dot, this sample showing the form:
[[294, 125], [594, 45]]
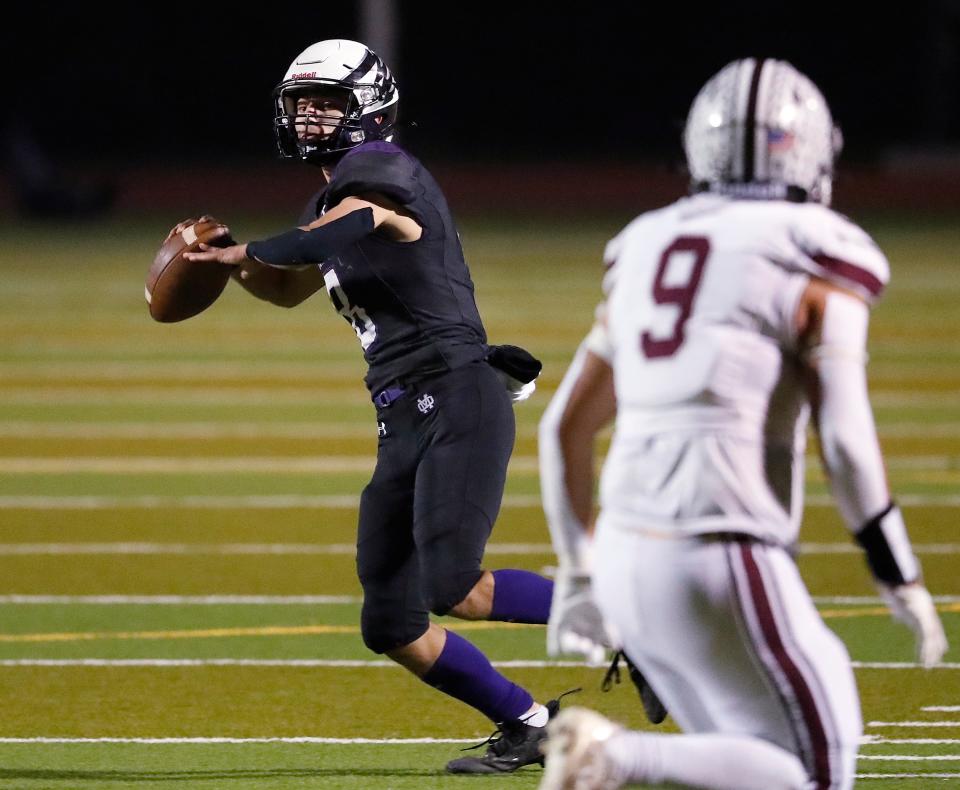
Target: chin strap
[[652, 706]]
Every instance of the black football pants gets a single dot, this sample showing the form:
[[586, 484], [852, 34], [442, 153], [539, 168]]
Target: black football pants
[[427, 513]]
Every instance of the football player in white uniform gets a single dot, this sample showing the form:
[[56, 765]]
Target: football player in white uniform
[[731, 317], [566, 437]]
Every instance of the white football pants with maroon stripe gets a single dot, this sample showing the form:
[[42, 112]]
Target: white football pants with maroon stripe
[[727, 635]]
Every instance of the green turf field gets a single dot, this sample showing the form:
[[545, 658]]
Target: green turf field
[[178, 605]]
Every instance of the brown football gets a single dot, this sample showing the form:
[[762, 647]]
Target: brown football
[[177, 289]]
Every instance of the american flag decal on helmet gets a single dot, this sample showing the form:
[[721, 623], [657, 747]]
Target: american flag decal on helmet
[[779, 140]]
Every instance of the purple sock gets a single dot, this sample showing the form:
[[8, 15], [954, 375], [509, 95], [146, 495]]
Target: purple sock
[[465, 673], [521, 597]]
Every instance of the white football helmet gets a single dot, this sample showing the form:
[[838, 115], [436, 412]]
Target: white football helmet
[[339, 66], [760, 128]]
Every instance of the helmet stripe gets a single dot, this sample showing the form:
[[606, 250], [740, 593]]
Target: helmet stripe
[[750, 123], [368, 62]]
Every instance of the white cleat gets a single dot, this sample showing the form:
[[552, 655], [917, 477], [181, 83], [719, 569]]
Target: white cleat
[[575, 757]]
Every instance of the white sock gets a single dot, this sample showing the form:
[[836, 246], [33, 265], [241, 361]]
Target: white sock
[[712, 762], [537, 716]]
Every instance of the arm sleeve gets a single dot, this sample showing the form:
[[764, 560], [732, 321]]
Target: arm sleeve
[[598, 340], [849, 444], [848, 435], [567, 532], [300, 247]]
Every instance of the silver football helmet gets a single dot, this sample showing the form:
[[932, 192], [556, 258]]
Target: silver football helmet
[[347, 69], [760, 128]]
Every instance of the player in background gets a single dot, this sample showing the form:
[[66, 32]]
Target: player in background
[[733, 315], [566, 437], [379, 237]]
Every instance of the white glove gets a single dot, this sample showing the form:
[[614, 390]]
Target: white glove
[[518, 390], [575, 624], [912, 605]]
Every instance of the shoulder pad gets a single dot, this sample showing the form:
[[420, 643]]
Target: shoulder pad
[[611, 255], [374, 167], [839, 251], [614, 249]]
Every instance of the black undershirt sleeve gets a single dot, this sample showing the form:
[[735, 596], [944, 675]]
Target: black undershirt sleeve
[[300, 247]]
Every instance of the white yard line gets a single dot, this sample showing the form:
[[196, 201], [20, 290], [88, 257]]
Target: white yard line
[[840, 600], [69, 549], [303, 739], [898, 665], [144, 548], [208, 370], [246, 369], [903, 399], [307, 600], [263, 662], [321, 464], [332, 390], [910, 757], [907, 776], [377, 663], [913, 724], [214, 465], [198, 430], [201, 502], [406, 742], [185, 430], [941, 708], [920, 430], [136, 465], [204, 429], [850, 548], [325, 501], [181, 600], [934, 463], [320, 395]]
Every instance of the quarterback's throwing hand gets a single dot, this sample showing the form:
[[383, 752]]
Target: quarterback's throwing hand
[[575, 624], [233, 255], [912, 605], [180, 227]]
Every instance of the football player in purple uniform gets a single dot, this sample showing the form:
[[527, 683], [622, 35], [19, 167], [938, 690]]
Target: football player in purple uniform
[[380, 239]]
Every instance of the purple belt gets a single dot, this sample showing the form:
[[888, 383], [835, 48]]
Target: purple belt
[[387, 396]]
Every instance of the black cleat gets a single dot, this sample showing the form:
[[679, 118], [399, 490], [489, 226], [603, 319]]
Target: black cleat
[[513, 745], [652, 706]]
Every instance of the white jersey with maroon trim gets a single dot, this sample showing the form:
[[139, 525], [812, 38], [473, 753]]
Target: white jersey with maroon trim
[[712, 408]]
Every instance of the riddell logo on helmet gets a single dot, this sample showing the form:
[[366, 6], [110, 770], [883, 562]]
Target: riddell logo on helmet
[[304, 75]]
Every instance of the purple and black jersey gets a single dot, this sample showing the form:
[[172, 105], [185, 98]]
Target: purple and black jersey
[[411, 303]]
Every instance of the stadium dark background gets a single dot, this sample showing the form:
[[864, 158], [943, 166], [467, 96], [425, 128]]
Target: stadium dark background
[[113, 88]]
